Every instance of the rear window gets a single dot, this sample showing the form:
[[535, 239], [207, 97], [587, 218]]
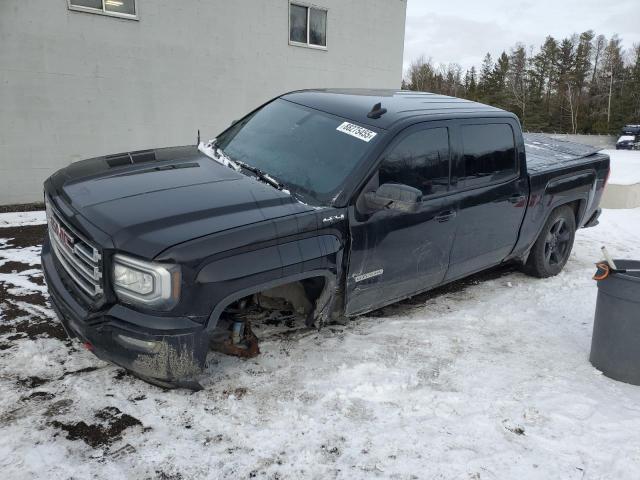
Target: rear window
[[309, 151], [489, 153]]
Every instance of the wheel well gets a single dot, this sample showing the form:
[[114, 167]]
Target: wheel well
[[300, 294], [576, 206]]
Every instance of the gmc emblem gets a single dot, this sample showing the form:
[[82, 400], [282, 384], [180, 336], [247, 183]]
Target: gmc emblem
[[65, 237]]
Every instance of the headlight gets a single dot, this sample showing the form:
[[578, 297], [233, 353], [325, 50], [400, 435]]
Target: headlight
[[150, 284]]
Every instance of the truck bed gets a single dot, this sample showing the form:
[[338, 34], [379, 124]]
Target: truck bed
[[546, 154]]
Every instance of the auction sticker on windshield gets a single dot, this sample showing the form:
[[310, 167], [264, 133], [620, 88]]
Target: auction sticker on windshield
[[357, 131]]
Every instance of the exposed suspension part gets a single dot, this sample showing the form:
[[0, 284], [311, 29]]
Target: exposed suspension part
[[242, 342]]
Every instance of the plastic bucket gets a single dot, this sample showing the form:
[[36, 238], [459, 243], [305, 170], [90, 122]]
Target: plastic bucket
[[615, 345]]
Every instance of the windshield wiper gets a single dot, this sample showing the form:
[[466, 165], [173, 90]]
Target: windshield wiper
[[265, 177], [214, 151]]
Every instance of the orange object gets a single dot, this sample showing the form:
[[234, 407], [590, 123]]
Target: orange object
[[602, 272]]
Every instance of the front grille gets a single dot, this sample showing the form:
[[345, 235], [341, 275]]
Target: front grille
[[79, 258]]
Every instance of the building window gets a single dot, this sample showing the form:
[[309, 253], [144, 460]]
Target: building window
[[307, 26], [116, 8]]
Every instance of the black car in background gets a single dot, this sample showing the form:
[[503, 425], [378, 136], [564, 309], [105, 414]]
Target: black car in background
[[629, 138]]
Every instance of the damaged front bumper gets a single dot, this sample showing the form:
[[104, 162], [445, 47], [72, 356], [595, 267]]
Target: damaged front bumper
[[167, 351]]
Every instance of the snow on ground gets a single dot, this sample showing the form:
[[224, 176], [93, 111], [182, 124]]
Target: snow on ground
[[625, 166], [485, 379], [13, 219]]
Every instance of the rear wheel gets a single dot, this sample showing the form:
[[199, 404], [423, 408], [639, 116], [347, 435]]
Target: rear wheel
[[553, 247]]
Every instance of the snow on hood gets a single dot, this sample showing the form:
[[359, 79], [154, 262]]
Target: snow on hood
[[211, 151]]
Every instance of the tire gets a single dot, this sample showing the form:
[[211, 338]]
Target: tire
[[551, 251]]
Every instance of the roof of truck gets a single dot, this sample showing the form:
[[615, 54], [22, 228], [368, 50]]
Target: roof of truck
[[355, 104]]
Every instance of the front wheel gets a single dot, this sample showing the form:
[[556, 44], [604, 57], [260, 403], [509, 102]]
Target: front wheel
[[553, 247]]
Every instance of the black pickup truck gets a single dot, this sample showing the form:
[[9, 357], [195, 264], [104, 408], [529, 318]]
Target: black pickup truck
[[337, 202]]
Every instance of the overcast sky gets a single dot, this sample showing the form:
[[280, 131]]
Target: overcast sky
[[464, 31]]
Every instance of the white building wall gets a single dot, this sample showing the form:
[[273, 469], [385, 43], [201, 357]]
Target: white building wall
[[75, 85]]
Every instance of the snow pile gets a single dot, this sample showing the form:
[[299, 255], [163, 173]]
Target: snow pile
[[487, 379], [625, 166]]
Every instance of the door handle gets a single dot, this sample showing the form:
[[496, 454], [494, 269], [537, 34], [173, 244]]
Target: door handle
[[445, 216], [516, 198]]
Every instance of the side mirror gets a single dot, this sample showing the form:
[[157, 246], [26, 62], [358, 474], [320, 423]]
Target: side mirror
[[394, 196]]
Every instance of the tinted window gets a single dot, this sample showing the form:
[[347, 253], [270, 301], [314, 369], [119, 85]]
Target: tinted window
[[420, 160], [307, 150], [489, 153]]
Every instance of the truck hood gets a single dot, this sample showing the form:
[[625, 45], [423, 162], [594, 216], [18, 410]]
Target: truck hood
[[152, 200]]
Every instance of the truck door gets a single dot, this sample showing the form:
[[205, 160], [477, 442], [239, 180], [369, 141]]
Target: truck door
[[396, 253], [492, 196]]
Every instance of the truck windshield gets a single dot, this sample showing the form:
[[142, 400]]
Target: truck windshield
[[304, 149]]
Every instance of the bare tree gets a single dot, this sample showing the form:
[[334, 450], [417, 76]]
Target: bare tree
[[518, 78]]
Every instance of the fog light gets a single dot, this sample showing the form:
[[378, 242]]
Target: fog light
[[150, 346]]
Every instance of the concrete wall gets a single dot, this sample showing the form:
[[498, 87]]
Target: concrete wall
[[615, 196], [621, 196], [75, 85], [601, 141]]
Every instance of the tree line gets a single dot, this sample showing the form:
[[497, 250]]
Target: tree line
[[580, 84]]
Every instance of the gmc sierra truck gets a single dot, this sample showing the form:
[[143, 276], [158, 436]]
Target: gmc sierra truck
[[336, 202]]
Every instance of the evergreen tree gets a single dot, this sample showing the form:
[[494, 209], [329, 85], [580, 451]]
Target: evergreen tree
[[470, 84], [633, 110], [518, 79], [485, 77]]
